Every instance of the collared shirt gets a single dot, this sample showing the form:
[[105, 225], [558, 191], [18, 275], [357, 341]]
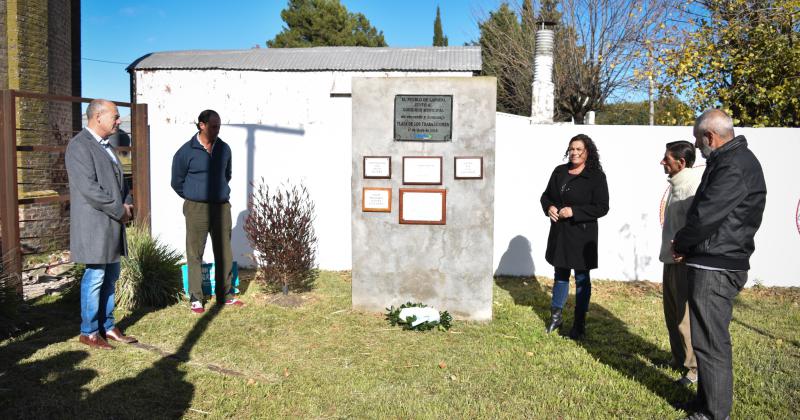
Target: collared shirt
[[705, 267], [213, 144], [104, 142]]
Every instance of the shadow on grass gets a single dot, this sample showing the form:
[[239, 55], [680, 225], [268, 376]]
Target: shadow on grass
[[765, 333], [55, 386], [157, 392], [608, 338]]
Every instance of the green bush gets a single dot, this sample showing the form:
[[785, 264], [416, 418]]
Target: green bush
[[150, 276]]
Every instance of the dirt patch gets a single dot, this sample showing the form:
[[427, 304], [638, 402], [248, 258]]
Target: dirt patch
[[780, 294]]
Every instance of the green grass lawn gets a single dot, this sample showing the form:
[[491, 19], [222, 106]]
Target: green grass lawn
[[323, 360]]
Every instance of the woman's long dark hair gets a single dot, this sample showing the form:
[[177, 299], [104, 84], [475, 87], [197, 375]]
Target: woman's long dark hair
[[593, 158]]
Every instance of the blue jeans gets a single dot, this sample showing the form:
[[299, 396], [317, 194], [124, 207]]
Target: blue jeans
[[97, 297], [583, 289]]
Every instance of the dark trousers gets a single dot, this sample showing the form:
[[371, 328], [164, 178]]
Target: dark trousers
[[203, 219], [711, 309]]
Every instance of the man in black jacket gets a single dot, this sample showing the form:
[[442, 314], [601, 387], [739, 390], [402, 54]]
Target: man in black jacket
[[716, 244]]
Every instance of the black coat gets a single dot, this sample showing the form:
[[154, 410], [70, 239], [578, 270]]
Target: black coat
[[572, 242], [726, 211]]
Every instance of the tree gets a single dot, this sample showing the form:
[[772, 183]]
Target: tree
[[597, 48], [507, 56], [313, 23], [439, 39], [601, 47], [670, 111], [742, 55]]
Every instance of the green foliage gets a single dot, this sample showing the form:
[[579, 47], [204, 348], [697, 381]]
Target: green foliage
[[315, 23], [393, 316], [548, 11], [507, 54], [742, 55], [150, 275], [280, 228], [439, 39], [668, 111]]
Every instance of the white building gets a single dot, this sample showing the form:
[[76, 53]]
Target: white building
[[286, 115]]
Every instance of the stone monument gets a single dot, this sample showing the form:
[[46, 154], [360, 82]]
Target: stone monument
[[423, 193]]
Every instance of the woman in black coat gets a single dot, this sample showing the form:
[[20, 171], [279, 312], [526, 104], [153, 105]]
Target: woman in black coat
[[576, 196]]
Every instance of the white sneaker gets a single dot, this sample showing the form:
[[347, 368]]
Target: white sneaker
[[197, 307]]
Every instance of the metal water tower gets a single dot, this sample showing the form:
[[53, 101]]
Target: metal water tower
[[543, 88]]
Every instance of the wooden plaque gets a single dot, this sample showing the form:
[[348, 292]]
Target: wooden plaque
[[422, 206], [376, 199]]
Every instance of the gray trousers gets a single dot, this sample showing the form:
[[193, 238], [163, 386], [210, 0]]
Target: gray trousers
[[203, 219], [676, 316], [711, 309]]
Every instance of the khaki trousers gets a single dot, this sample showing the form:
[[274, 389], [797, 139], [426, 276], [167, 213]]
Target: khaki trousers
[[203, 219], [676, 315]]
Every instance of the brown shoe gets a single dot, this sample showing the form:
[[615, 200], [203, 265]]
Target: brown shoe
[[95, 341], [117, 335]]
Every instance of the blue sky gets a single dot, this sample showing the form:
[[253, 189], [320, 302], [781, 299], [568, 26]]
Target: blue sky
[[115, 33]]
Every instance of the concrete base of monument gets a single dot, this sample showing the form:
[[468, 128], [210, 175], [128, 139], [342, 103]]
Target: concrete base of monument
[[447, 262]]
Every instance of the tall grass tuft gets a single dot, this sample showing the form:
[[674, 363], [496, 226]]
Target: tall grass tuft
[[150, 276]]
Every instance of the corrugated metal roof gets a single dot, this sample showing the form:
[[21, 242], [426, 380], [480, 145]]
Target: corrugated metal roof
[[318, 59]]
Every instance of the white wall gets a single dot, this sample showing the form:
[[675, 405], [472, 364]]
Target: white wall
[[279, 125], [630, 234], [286, 126]]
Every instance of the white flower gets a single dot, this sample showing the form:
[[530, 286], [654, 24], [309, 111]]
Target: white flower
[[422, 314]]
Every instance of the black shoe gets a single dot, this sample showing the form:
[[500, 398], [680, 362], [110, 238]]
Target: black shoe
[[691, 406], [555, 320], [685, 381], [698, 416], [578, 331]]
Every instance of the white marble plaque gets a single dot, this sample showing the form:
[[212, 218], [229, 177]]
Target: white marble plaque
[[469, 167], [422, 170], [379, 167], [420, 206]]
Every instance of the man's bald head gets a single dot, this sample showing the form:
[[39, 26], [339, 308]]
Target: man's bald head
[[102, 117], [715, 121], [96, 107]]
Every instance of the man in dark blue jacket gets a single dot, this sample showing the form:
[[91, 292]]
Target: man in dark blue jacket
[[716, 244], [201, 171]]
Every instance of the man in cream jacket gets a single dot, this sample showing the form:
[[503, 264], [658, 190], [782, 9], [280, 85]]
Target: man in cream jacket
[[678, 160]]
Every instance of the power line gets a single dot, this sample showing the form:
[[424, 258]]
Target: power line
[[103, 61]]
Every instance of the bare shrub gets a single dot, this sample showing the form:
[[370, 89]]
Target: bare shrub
[[280, 228]]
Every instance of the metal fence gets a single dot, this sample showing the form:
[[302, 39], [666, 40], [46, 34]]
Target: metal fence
[[34, 192]]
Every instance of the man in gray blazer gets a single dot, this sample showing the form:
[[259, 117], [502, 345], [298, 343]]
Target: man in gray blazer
[[100, 205]]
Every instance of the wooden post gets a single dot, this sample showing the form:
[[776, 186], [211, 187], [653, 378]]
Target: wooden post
[[141, 165], [9, 207]]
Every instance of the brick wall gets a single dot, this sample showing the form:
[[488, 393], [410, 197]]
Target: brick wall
[[43, 227], [36, 38]]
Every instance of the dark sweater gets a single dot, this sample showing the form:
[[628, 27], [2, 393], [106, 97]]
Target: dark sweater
[[200, 176]]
